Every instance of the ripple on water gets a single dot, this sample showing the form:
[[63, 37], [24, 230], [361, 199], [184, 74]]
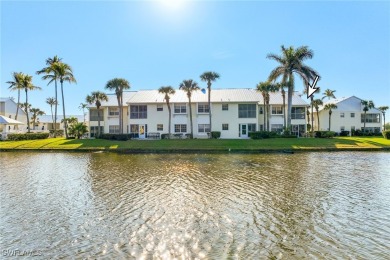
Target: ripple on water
[[309, 205]]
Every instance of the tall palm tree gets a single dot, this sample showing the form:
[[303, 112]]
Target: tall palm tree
[[291, 63], [27, 85], [51, 101], [283, 91], [167, 91], [189, 86], [83, 106], [316, 103], [265, 88], [383, 110], [51, 75], [262, 88], [329, 94], [96, 98], [35, 113], [16, 85], [312, 105], [209, 77], [118, 85], [329, 107], [64, 73], [367, 105]]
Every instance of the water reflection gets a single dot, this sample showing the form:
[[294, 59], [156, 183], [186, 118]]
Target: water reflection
[[309, 205]]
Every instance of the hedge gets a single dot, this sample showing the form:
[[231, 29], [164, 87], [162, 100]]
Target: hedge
[[117, 137], [386, 134], [262, 135], [57, 133], [344, 133], [215, 134], [27, 136], [325, 134]]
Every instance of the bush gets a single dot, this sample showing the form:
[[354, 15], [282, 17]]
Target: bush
[[262, 135], [57, 132], [386, 134], [27, 136], [324, 134], [117, 137], [361, 133], [215, 134], [344, 133], [164, 136]]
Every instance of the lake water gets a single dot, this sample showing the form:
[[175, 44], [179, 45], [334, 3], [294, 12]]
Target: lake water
[[107, 205]]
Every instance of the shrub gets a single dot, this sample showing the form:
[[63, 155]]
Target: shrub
[[386, 134], [215, 134], [27, 136], [324, 134], [164, 136], [344, 133], [262, 135], [117, 137], [56, 133]]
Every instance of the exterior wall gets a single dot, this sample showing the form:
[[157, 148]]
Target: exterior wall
[[8, 109]]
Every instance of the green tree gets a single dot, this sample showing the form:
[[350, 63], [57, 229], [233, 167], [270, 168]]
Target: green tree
[[35, 112], [291, 63], [265, 88], [189, 86], [316, 103], [209, 77], [78, 130], [64, 73], [83, 106], [367, 105], [311, 104], [27, 85], [52, 102], [96, 98], [25, 106], [51, 75], [329, 107], [118, 85], [329, 94], [168, 91], [383, 110], [16, 85]]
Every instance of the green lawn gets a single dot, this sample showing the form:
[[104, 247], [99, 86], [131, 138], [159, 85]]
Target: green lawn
[[201, 144]]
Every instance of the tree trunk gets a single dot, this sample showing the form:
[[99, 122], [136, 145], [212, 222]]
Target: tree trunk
[[384, 122], [330, 115], [17, 109], [169, 120], [268, 112], [63, 110], [209, 99], [289, 104], [55, 110], [318, 121], [120, 113], [192, 129], [98, 122], [26, 110], [312, 116], [364, 127], [264, 112], [52, 116], [284, 108]]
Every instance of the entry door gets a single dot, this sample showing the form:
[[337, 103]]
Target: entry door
[[244, 130], [141, 131]]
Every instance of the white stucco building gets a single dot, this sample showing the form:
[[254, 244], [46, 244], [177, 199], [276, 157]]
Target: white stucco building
[[235, 113], [8, 108], [348, 116]]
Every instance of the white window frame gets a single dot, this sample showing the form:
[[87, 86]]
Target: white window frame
[[203, 128], [160, 108], [203, 108], [160, 129], [181, 107], [225, 128], [277, 110], [225, 107], [113, 129]]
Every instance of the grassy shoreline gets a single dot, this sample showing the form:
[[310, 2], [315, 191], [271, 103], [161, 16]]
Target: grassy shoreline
[[201, 145]]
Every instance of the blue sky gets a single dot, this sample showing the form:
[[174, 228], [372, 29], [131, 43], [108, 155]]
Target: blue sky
[[156, 43]]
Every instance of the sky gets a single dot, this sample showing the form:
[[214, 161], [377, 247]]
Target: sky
[[159, 43]]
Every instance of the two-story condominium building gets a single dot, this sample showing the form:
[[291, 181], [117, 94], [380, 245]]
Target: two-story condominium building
[[235, 113], [348, 116], [8, 108]]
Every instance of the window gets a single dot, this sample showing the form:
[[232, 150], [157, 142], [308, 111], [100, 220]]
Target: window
[[352, 114], [113, 129], [225, 107], [160, 127], [342, 115], [276, 128], [261, 127], [203, 128], [297, 113], [246, 111], [93, 130], [372, 129], [93, 115], [342, 128], [160, 108], [134, 129], [138, 111], [113, 111], [251, 128], [180, 128], [180, 108], [277, 110], [225, 127], [261, 110], [370, 118], [203, 108]]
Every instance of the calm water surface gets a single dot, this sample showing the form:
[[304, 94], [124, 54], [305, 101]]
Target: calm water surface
[[99, 205]]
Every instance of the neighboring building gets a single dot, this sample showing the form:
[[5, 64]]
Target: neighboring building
[[8, 108], [348, 116], [45, 122], [235, 113]]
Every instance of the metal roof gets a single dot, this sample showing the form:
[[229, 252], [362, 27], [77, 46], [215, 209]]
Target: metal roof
[[49, 119], [113, 102]]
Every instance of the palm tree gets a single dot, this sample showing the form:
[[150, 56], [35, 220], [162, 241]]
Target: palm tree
[[329, 107], [311, 103], [265, 88], [291, 63], [282, 87], [329, 94], [167, 91], [51, 101], [209, 77], [51, 75], [83, 106], [189, 86], [383, 110], [35, 113], [367, 105], [26, 83], [118, 85], [96, 98], [25, 106], [316, 103], [64, 73], [78, 130], [262, 88], [16, 85]]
